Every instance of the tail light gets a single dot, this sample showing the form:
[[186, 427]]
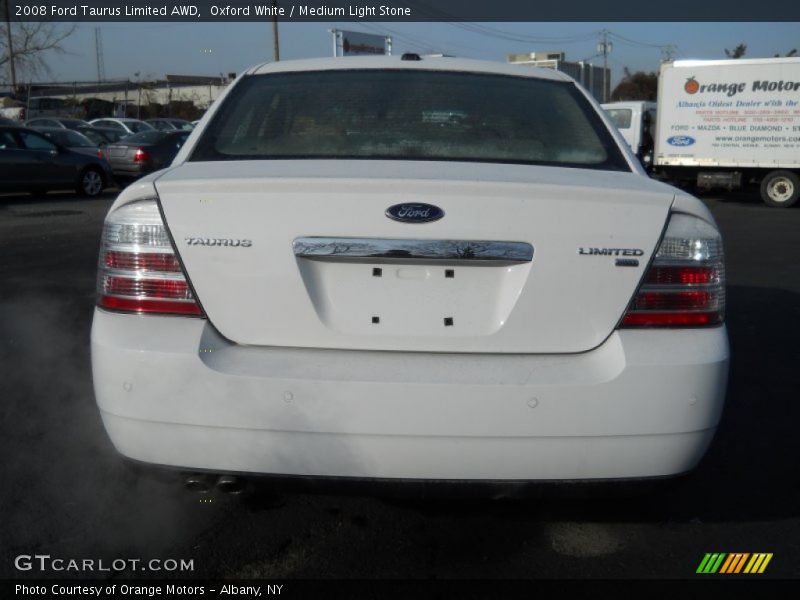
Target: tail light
[[100, 153], [685, 284], [139, 271], [141, 155]]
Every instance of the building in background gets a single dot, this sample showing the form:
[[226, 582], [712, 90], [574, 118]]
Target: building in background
[[355, 43], [184, 96], [588, 75]]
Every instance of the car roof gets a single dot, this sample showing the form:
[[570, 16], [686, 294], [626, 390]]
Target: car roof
[[37, 131], [59, 130], [119, 119], [436, 63]]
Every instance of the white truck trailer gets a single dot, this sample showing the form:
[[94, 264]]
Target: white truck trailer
[[730, 123]]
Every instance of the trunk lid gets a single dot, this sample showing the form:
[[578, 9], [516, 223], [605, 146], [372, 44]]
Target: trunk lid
[[256, 239], [120, 151]]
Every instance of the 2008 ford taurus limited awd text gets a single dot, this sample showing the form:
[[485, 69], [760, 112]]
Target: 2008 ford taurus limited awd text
[[413, 268]]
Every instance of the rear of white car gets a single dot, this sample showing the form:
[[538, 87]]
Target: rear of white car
[[333, 279]]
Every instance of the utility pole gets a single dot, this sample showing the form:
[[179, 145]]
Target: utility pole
[[604, 47], [98, 50], [667, 53], [335, 35], [276, 48], [10, 43]]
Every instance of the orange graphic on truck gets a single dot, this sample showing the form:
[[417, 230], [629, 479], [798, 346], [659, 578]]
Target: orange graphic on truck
[[691, 86]]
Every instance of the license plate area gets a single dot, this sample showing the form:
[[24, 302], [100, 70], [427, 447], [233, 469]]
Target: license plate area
[[422, 293]]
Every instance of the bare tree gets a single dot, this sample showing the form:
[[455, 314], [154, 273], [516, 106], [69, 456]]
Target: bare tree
[[738, 52], [24, 45], [636, 86]]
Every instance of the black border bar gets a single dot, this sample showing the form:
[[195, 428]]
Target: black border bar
[[355, 11]]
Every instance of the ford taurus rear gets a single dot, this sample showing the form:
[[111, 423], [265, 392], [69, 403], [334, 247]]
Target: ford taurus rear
[[438, 269]]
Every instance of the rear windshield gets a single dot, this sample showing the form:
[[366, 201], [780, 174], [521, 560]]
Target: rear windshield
[[151, 136], [621, 117], [71, 139], [411, 115], [137, 126], [73, 123]]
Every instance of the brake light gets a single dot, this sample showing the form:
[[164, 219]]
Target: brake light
[[138, 269], [685, 284], [100, 153], [141, 155]]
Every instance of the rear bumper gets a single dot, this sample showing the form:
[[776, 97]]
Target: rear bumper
[[127, 170], [171, 391]]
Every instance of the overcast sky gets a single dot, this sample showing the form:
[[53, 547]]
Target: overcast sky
[[154, 49]]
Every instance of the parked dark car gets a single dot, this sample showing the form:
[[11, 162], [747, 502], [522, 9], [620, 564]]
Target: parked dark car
[[40, 122], [144, 152], [103, 135], [72, 140], [167, 124], [29, 162], [5, 121]]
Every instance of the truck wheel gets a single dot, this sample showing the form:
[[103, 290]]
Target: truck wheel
[[780, 189]]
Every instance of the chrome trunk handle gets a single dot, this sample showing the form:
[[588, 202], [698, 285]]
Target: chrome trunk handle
[[375, 250]]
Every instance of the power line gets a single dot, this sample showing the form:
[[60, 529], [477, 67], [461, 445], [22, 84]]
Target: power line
[[442, 16], [635, 42], [513, 37], [419, 44]]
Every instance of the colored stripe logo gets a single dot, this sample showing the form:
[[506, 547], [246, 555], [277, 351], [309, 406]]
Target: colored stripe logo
[[734, 563]]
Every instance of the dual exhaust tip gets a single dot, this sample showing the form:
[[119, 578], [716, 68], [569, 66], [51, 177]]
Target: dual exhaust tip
[[203, 484]]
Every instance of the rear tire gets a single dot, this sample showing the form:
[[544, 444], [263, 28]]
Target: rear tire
[[780, 189], [91, 182]]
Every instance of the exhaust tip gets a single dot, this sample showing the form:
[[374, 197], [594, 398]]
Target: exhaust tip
[[198, 483], [230, 485]]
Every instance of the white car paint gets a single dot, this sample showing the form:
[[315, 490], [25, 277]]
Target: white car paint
[[121, 123], [285, 377]]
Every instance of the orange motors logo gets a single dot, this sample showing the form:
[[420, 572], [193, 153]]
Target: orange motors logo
[[730, 89]]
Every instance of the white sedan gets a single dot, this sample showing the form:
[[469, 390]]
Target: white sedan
[[331, 281], [126, 125]]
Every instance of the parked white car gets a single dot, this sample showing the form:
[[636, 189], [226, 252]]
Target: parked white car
[[129, 126], [325, 283]]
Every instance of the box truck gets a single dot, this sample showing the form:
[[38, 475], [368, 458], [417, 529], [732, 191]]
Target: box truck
[[636, 121], [730, 123]]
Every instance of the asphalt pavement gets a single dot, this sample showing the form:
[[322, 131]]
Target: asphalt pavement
[[65, 492]]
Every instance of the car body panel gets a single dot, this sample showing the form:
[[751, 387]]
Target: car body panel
[[562, 301], [287, 372], [175, 392]]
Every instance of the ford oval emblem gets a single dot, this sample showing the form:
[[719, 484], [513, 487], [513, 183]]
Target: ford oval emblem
[[414, 212], [680, 140]]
